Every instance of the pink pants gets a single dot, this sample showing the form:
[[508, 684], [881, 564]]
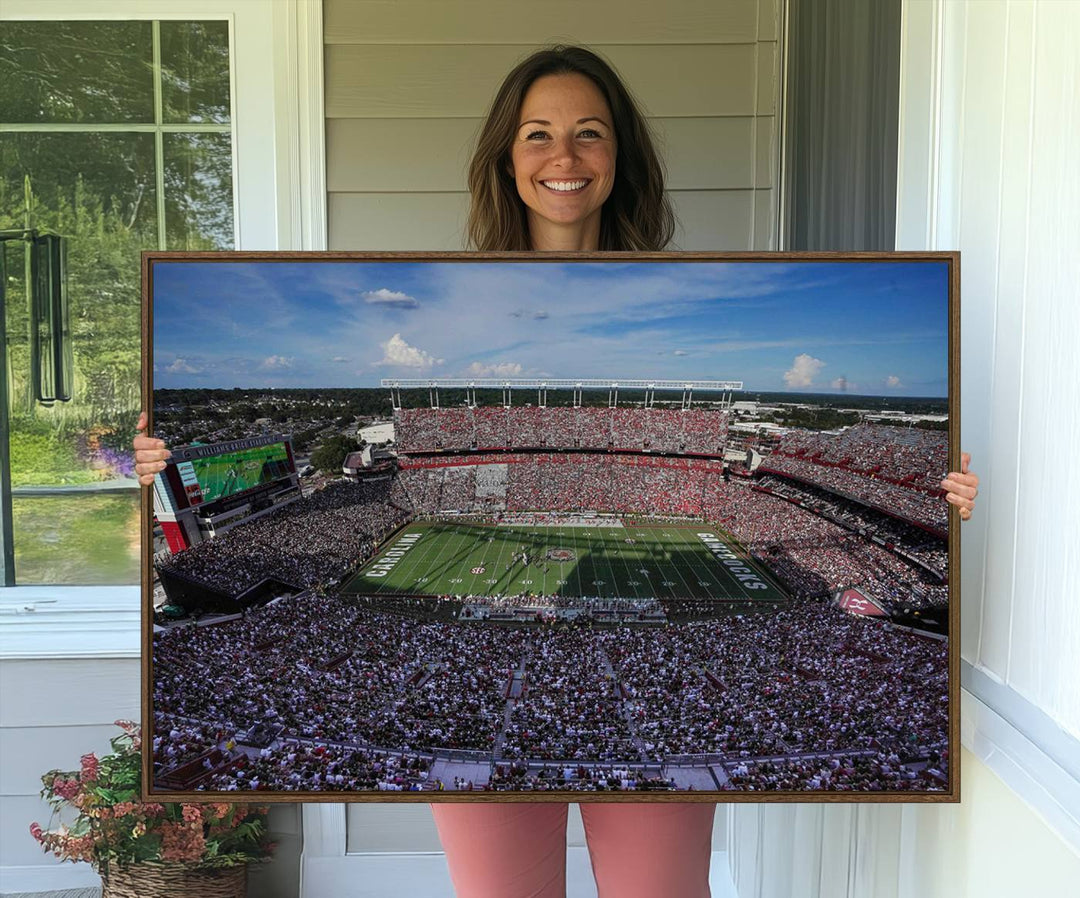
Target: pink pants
[[519, 850]]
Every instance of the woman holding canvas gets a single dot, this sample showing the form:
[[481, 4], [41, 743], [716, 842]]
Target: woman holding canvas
[[565, 163]]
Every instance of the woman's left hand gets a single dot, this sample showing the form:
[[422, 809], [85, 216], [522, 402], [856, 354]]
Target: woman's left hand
[[961, 487]]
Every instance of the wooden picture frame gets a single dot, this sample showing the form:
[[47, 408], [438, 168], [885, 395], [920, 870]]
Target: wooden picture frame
[[438, 612]]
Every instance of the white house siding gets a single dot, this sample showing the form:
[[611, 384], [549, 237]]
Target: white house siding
[[53, 712], [992, 845], [408, 82]]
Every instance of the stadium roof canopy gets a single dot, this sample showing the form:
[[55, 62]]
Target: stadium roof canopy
[[553, 383]]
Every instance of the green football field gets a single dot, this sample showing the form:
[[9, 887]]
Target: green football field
[[645, 560]]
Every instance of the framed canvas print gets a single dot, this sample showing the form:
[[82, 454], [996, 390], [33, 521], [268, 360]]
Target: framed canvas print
[[497, 527]]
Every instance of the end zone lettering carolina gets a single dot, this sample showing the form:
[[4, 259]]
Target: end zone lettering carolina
[[732, 562], [386, 564]]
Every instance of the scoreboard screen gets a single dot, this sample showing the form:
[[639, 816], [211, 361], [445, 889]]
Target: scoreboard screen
[[220, 476]]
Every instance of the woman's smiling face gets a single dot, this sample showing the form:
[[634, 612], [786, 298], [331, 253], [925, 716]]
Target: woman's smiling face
[[563, 160]]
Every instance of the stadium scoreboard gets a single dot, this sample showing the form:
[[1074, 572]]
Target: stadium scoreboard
[[208, 488]]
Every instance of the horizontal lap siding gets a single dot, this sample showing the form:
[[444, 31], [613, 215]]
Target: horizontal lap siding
[[53, 712], [521, 22], [460, 80], [707, 219], [432, 154], [408, 83]]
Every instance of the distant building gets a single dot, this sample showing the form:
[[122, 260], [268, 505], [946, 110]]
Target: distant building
[[368, 462], [382, 432]]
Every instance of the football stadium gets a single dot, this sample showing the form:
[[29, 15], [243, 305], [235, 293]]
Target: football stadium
[[562, 597]]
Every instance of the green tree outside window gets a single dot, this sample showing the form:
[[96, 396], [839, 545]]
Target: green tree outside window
[[117, 136]]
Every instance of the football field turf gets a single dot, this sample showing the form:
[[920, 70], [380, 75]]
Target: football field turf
[[638, 560]]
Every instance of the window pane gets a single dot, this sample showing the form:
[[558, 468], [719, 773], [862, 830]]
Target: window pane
[[76, 72], [98, 191], [195, 72], [198, 192], [82, 540]]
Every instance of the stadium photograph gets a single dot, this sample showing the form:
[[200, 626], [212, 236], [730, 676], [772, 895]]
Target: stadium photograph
[[467, 528]]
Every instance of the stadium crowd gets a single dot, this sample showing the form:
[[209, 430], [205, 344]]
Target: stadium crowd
[[571, 709], [896, 469], [565, 482], [361, 699], [363, 686], [521, 777], [814, 541], [874, 771], [311, 541], [693, 431], [906, 455], [916, 543]]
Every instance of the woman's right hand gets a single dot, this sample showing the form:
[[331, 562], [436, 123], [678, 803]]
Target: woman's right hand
[[150, 454]]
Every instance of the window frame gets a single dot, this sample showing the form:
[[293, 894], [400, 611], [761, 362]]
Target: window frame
[[276, 93]]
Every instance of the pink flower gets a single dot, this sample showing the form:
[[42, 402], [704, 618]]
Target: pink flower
[[37, 832], [65, 788], [89, 767], [181, 842], [192, 813]]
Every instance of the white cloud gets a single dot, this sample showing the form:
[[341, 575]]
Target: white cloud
[[498, 369], [384, 297], [802, 371], [339, 359], [680, 352], [181, 366], [398, 353], [278, 361], [844, 385], [893, 381]]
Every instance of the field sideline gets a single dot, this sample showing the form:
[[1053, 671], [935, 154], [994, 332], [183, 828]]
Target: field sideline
[[653, 560]]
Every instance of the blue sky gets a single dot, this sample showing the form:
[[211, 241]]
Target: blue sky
[[872, 328]]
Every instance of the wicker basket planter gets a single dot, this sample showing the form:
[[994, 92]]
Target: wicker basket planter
[[148, 880]]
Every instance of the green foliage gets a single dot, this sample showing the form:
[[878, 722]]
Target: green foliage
[[330, 456], [113, 827], [77, 539], [99, 190], [38, 458], [815, 418]]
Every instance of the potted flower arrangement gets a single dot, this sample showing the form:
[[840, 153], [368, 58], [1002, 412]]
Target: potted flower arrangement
[[146, 848]]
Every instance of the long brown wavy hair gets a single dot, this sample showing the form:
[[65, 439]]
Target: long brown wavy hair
[[637, 214]]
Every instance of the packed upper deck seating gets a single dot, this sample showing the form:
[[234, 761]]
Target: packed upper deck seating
[[629, 428], [895, 469]]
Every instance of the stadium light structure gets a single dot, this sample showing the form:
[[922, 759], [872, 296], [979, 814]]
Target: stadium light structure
[[542, 385]]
